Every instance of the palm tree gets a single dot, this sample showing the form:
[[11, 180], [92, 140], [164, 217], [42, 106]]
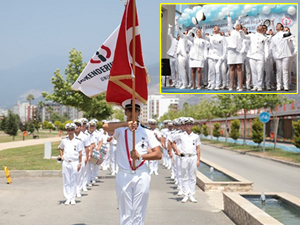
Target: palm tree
[[29, 98]]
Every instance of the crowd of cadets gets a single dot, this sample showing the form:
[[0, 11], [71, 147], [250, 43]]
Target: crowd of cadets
[[180, 148], [76, 151], [213, 61]]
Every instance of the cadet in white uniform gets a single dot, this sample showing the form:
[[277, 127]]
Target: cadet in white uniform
[[281, 45], [173, 58], [85, 142], [182, 56], [70, 151], [235, 57], [132, 184], [216, 55], [166, 158], [198, 54], [153, 164], [190, 159], [247, 68], [257, 55], [268, 67]]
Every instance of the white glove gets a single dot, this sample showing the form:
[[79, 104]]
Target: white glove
[[239, 18], [176, 18], [170, 26]]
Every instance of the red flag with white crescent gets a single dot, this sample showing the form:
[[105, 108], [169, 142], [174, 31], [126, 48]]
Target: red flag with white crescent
[[120, 81]]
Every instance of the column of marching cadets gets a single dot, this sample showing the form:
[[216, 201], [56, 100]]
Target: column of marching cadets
[[238, 60], [180, 147], [83, 143]]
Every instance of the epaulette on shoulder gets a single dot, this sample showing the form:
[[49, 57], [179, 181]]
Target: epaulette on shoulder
[[143, 126], [78, 138]]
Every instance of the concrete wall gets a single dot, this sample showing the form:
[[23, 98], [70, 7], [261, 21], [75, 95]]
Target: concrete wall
[[168, 18]]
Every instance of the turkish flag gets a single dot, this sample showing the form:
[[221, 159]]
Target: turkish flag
[[120, 81]]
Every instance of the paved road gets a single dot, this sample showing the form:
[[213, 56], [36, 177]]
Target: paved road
[[40, 200], [267, 175], [17, 144]]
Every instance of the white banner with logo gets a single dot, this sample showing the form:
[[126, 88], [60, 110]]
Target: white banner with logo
[[94, 78]]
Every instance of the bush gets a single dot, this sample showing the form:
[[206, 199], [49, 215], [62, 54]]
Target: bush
[[196, 130], [45, 124], [257, 131], [296, 126], [205, 130], [234, 129], [216, 130]]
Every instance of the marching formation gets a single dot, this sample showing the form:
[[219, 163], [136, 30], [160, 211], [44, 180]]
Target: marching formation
[[81, 153], [202, 60], [85, 148]]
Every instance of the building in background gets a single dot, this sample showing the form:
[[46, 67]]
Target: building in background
[[157, 106]]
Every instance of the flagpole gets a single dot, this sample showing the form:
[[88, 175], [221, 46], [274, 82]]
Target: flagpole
[[133, 78]]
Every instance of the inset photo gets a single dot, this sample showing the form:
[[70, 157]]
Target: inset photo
[[228, 49]]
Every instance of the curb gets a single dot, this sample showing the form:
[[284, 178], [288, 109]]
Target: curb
[[259, 156], [41, 173]]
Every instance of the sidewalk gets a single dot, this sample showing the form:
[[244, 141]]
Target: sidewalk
[[40, 200], [17, 144], [284, 146]]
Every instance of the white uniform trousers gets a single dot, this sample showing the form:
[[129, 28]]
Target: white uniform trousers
[[182, 70], [153, 166], [257, 70], [174, 69], [188, 70], [93, 172], [173, 163], [269, 70], [214, 72], [106, 163], [178, 172], [188, 172], [70, 174], [87, 180], [282, 72], [114, 166], [224, 74], [166, 156], [247, 71], [205, 77], [81, 175], [132, 194]]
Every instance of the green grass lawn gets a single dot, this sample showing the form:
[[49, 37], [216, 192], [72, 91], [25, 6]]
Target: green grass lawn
[[278, 153], [42, 134], [29, 158]]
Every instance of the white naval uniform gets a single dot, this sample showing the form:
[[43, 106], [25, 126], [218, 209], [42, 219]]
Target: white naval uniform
[[198, 52], [247, 68], [87, 169], [216, 55], [281, 50], [182, 56], [177, 159], [257, 54], [92, 166], [234, 45], [189, 143], [165, 151], [81, 183], [269, 64], [153, 164], [113, 148], [71, 150], [132, 187], [106, 163], [173, 58]]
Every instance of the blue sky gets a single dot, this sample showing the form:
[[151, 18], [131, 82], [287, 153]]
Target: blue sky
[[37, 35]]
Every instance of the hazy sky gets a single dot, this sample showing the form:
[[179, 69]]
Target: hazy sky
[[37, 35]]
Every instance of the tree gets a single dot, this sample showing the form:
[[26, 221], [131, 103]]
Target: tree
[[271, 102], [2, 123], [11, 124], [246, 103], [62, 93], [224, 108], [50, 126], [257, 131], [205, 112], [296, 126], [45, 124], [205, 131], [216, 130], [31, 127], [118, 114], [30, 98], [235, 129], [57, 124]]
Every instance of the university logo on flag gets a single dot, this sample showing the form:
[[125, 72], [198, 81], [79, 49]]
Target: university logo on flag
[[94, 78]]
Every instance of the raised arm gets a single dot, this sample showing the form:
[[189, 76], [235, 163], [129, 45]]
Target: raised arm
[[230, 25], [177, 29], [169, 32]]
